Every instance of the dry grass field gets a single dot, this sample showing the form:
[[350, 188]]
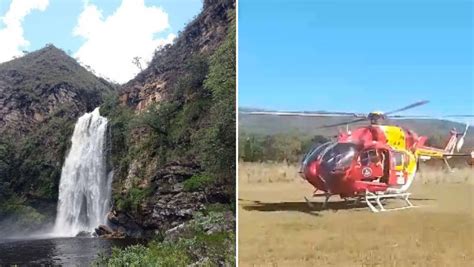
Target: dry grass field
[[277, 228]]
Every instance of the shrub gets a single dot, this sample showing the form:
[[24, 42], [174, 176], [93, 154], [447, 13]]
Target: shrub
[[215, 249], [133, 199], [197, 182], [156, 254]]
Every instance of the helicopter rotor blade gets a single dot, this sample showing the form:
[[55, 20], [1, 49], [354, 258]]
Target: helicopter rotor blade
[[407, 107], [427, 117], [342, 123], [460, 116], [301, 114]]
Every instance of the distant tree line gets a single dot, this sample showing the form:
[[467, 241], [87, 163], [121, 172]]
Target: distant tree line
[[279, 147]]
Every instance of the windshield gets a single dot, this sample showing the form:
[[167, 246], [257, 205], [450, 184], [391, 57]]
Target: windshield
[[340, 155], [315, 151]]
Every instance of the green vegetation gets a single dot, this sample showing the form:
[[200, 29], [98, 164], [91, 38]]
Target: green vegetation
[[132, 199], [218, 139], [209, 249], [155, 254], [30, 169], [197, 182], [24, 215]]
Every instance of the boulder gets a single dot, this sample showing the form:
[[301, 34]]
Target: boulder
[[106, 232], [84, 234], [103, 230]]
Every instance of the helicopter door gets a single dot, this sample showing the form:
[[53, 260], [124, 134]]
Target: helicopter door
[[371, 164], [399, 163]]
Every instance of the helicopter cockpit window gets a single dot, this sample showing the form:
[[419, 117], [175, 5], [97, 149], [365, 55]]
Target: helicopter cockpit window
[[315, 152], [340, 155]]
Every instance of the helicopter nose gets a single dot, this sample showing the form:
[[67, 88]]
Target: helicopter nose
[[310, 170]]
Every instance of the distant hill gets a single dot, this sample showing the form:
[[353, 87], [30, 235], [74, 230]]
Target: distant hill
[[38, 85], [307, 126]]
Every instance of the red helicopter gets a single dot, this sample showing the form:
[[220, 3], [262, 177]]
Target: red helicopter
[[373, 162]]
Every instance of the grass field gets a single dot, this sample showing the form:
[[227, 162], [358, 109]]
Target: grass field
[[277, 228]]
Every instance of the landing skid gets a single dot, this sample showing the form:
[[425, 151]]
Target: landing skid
[[373, 200], [378, 196]]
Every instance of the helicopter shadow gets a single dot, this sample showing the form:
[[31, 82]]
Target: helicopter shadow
[[301, 206]]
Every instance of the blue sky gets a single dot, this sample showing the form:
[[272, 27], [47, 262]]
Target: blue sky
[[357, 55], [54, 21]]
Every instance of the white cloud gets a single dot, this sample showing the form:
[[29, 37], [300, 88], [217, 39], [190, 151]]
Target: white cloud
[[12, 41], [112, 42]]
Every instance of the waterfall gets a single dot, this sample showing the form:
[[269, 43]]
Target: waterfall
[[85, 186]]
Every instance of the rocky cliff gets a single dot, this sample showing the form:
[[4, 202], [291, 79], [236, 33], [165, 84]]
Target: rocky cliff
[[201, 36], [173, 129]]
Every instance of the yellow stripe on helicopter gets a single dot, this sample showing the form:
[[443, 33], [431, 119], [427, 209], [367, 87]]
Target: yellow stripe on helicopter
[[395, 136]]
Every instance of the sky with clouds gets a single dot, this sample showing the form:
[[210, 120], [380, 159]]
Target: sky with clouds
[[105, 35]]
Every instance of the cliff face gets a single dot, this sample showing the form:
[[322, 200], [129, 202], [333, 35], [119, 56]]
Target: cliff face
[[173, 129], [202, 36], [36, 86]]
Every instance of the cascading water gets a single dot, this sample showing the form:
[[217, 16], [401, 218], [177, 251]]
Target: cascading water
[[85, 186]]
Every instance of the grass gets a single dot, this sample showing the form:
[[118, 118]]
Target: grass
[[277, 228], [267, 172]]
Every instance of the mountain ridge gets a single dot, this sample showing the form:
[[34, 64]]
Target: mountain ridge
[[39, 84], [309, 126]]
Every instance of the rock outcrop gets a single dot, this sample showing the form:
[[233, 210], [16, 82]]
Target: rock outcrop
[[202, 36], [169, 206]]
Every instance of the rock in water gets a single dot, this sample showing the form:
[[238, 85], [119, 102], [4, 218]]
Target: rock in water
[[106, 232], [83, 234], [103, 230]]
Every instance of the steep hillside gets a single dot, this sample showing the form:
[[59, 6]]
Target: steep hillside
[[36, 86], [41, 96]]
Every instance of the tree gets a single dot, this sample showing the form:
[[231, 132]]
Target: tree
[[136, 61], [219, 138]]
